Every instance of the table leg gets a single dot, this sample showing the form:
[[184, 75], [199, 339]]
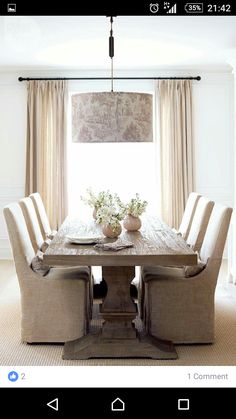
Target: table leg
[[118, 337], [118, 309]]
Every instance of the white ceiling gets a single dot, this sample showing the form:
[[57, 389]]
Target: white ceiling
[[141, 42]]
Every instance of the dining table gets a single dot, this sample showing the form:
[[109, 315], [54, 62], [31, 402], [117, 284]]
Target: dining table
[[154, 244]]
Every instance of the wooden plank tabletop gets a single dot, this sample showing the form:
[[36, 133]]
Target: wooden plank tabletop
[[154, 244]]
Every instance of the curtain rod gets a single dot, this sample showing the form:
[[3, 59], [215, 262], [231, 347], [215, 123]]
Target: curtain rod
[[198, 78]]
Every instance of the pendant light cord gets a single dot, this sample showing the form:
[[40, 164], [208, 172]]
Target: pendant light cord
[[111, 52], [112, 75]]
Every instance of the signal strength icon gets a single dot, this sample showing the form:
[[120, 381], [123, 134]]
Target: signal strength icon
[[173, 9]]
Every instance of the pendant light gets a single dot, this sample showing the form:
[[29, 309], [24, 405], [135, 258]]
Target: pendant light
[[112, 116]]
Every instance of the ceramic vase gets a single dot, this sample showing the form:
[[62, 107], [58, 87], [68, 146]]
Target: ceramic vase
[[109, 232], [132, 223]]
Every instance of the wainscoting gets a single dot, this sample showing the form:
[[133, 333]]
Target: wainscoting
[[7, 195]]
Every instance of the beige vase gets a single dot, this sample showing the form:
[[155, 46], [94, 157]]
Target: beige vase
[[132, 223], [108, 231]]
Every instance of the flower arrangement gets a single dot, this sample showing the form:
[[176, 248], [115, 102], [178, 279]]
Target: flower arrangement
[[111, 213], [97, 200], [136, 206]]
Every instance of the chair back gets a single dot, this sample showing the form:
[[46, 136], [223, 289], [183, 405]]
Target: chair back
[[32, 223], [199, 224], [189, 211], [21, 245], [41, 214], [216, 234]]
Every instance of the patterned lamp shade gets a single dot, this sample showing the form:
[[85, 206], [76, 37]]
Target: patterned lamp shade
[[112, 117]]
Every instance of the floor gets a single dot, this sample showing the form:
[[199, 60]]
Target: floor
[[13, 352]]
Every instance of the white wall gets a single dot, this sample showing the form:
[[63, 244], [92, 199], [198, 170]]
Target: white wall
[[214, 141], [213, 122], [12, 148], [214, 137], [232, 247]]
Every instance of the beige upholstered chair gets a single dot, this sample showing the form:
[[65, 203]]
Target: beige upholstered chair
[[199, 223], [55, 307], [194, 239], [44, 224], [31, 219], [189, 211], [36, 236], [181, 308]]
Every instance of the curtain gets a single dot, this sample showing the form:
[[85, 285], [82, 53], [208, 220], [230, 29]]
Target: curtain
[[46, 159], [176, 147]]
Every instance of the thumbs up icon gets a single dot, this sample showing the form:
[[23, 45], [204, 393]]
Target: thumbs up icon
[[13, 376]]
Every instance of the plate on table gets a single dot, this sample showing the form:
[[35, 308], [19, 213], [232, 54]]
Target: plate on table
[[83, 240]]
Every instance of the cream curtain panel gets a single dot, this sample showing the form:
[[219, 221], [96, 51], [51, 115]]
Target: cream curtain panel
[[174, 106], [46, 159]]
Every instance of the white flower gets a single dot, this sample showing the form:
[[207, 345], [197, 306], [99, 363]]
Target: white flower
[[111, 213], [96, 201], [136, 207]]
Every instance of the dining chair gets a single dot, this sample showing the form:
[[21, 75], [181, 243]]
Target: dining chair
[[36, 236], [32, 223], [188, 215], [194, 240], [54, 307], [199, 223], [180, 306], [43, 220]]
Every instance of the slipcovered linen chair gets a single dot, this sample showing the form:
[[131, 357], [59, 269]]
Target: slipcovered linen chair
[[43, 220], [199, 223], [36, 237], [183, 230], [181, 308], [194, 240], [55, 307], [32, 223], [189, 212]]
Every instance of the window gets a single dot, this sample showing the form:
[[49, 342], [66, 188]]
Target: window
[[124, 168]]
